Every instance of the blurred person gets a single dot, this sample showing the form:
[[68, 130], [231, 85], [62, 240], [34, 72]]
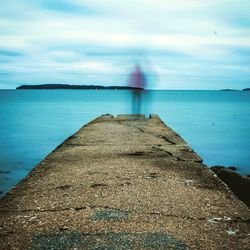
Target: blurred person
[[137, 80]]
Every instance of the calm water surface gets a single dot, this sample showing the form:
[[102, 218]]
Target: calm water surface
[[33, 122]]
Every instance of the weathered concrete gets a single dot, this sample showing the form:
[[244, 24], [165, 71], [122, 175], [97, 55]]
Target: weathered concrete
[[123, 183], [239, 184]]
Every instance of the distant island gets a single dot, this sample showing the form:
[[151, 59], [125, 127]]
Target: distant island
[[68, 86], [247, 89], [229, 89], [84, 87]]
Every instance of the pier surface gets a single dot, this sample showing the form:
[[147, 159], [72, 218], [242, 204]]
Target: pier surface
[[125, 182]]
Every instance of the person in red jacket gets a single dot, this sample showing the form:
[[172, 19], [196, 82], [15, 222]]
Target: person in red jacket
[[137, 81]]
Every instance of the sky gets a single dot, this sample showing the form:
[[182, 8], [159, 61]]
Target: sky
[[181, 44]]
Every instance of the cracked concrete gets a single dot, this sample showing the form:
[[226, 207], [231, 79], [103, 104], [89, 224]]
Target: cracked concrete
[[125, 182]]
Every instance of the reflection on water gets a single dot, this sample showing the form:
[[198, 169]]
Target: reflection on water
[[33, 122]]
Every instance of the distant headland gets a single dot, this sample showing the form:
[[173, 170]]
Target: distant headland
[[68, 86]]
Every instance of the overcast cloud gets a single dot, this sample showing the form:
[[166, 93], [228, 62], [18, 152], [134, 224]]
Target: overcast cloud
[[183, 44]]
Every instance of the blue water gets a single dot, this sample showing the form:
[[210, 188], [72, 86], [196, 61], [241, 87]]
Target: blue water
[[33, 122]]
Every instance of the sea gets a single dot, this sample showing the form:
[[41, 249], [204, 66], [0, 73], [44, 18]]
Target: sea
[[216, 124]]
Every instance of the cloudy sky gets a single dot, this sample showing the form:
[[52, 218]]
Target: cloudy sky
[[182, 44]]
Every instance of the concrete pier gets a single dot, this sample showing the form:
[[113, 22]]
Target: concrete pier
[[125, 182]]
